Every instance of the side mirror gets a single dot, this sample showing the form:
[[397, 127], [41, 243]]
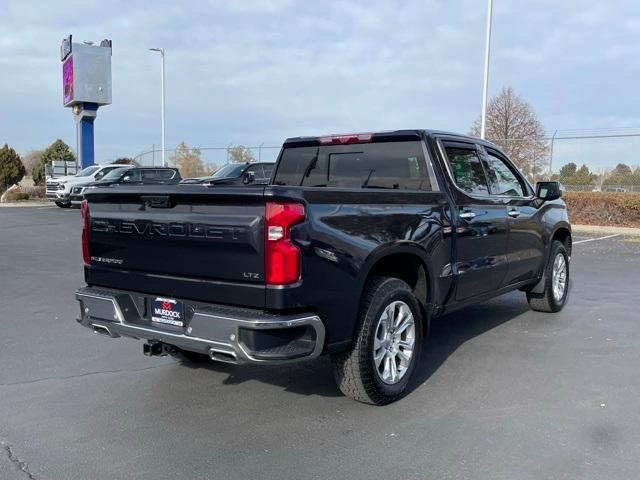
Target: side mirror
[[548, 190], [99, 175], [249, 177], [126, 178]]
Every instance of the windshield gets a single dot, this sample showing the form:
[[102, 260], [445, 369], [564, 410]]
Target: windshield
[[85, 172], [230, 170], [114, 174]]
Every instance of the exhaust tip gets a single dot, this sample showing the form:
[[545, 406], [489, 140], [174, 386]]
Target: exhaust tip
[[222, 356], [102, 330]]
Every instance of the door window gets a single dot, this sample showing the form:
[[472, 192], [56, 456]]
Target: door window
[[467, 170], [131, 176], [502, 179], [165, 174], [148, 176]]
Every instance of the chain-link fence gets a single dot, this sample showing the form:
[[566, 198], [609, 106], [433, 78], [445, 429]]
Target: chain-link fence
[[604, 162], [586, 160], [599, 160], [212, 157]]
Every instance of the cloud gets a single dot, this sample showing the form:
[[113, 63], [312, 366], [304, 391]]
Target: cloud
[[252, 72]]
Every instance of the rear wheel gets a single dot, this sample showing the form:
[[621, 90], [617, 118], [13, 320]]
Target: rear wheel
[[63, 204], [556, 288], [378, 366]]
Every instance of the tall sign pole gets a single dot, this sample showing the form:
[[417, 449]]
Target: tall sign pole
[[485, 86], [86, 86], [162, 100]]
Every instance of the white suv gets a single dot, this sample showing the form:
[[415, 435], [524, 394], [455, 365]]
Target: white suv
[[59, 188]]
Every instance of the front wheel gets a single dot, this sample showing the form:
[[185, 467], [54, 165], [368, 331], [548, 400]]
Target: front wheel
[[63, 204], [556, 288], [378, 366]]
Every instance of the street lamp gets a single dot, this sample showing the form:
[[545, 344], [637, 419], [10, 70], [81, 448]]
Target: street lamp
[[485, 87], [161, 50]]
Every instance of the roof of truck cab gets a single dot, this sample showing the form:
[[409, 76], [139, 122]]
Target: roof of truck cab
[[407, 134]]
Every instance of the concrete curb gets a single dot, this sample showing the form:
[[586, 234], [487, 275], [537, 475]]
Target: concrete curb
[[605, 229], [26, 204]]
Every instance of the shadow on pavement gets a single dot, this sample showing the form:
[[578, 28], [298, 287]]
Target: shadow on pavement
[[315, 377]]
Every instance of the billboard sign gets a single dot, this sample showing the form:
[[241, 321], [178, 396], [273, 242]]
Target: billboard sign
[[86, 72], [67, 81]]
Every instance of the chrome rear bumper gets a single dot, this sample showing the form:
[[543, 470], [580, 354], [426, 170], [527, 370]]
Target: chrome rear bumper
[[227, 334]]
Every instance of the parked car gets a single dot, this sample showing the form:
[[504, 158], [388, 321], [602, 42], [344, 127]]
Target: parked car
[[356, 244], [237, 174], [58, 189], [128, 175]]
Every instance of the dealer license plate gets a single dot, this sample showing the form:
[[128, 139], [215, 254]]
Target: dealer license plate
[[167, 311]]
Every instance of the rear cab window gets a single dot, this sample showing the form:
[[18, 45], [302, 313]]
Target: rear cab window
[[399, 165]]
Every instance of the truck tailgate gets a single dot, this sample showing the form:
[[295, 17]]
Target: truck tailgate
[[189, 240]]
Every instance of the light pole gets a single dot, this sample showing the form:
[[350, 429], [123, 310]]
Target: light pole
[[485, 87], [553, 138], [161, 50]]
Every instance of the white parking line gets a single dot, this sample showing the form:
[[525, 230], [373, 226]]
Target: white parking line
[[594, 239]]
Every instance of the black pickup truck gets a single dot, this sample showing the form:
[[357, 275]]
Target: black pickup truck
[[355, 245]]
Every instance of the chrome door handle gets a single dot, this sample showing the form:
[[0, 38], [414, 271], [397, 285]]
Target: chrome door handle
[[514, 213], [467, 215]]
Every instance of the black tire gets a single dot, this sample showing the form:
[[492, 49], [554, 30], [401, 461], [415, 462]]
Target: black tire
[[63, 204], [185, 356], [354, 370], [546, 301]]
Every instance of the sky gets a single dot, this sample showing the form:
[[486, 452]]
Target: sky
[[252, 72]]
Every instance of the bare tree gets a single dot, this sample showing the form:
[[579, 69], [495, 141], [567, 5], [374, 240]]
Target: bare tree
[[188, 161], [241, 154], [32, 159], [513, 125]]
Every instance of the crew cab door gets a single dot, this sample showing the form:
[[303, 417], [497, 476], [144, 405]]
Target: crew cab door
[[525, 247], [481, 224]]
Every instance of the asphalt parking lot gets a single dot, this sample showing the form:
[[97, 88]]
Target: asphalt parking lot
[[502, 393]]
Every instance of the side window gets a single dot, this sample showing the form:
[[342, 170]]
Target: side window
[[165, 174], [256, 169], [131, 176], [502, 180], [148, 175], [259, 172], [467, 170]]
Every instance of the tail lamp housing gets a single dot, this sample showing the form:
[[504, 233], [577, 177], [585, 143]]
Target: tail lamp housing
[[282, 256], [84, 210]]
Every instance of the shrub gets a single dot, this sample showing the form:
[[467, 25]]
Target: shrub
[[603, 208], [11, 167], [21, 196], [58, 150], [34, 192]]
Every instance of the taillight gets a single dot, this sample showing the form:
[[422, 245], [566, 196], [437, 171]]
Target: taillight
[[346, 139], [84, 209], [282, 256]]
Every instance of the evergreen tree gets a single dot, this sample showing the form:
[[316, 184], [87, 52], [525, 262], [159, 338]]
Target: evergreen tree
[[58, 151], [11, 167]]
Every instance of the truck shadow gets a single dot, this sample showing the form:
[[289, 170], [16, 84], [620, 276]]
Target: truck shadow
[[447, 334]]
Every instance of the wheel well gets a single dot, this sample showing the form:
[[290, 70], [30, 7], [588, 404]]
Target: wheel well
[[563, 235], [410, 269]]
